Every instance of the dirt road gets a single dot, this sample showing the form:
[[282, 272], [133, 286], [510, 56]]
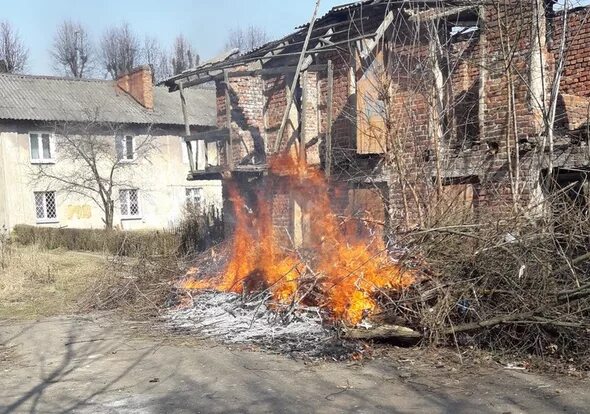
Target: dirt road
[[98, 364]]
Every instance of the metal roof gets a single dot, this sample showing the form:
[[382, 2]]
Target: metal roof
[[46, 98]]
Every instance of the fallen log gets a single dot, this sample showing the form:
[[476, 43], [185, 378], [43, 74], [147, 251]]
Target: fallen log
[[384, 332]]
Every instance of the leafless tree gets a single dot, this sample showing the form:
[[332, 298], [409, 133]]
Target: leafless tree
[[120, 50], [156, 57], [246, 39], [72, 50], [183, 55], [101, 159], [13, 53]]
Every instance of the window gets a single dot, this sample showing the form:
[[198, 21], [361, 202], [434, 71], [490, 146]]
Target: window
[[45, 207], [194, 196], [125, 147], [42, 148], [129, 203]]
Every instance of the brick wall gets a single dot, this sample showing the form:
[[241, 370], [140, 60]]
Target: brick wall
[[576, 73], [469, 150]]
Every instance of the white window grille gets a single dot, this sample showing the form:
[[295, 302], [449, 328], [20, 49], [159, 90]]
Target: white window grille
[[125, 145], [129, 200], [45, 206], [194, 196], [42, 147]]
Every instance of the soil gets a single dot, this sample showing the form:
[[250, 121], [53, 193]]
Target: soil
[[100, 363]]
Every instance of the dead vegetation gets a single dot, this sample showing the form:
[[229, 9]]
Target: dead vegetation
[[35, 282], [516, 285], [139, 288]]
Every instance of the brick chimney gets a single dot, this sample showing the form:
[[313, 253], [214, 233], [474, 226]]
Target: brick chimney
[[138, 84]]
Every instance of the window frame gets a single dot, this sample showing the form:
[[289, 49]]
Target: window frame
[[121, 142], [45, 219], [128, 216], [42, 160], [190, 199]]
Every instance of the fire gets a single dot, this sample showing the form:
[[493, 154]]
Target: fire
[[347, 270]]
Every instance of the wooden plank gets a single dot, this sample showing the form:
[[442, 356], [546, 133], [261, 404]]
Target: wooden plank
[[437, 13], [279, 70], [303, 117], [329, 105], [379, 33], [214, 135], [383, 332], [211, 173], [302, 62], [229, 145], [251, 168], [187, 128]]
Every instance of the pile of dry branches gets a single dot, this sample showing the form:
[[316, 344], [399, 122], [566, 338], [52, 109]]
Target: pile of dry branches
[[516, 285]]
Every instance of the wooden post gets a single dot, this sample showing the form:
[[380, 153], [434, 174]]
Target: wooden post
[[483, 73], [187, 130], [329, 105], [229, 153], [300, 65], [303, 118]]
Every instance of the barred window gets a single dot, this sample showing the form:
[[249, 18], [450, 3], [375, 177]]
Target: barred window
[[45, 206], [129, 203], [125, 145], [194, 196], [41, 147]]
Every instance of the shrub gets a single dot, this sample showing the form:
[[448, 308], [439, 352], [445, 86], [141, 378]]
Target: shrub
[[196, 232], [199, 230], [124, 243]]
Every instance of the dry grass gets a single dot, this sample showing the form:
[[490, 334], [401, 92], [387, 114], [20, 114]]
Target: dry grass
[[35, 282]]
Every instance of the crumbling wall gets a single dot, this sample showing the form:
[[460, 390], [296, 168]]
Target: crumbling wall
[[247, 105], [486, 155]]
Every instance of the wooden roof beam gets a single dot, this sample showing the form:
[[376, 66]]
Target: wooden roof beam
[[437, 13], [369, 45]]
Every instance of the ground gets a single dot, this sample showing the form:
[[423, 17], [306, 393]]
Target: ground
[[98, 363], [101, 362]]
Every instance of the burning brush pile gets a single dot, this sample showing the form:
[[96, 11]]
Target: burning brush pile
[[254, 289]]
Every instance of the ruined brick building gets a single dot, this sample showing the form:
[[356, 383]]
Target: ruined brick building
[[416, 110]]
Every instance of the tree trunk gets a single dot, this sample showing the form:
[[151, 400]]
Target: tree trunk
[[109, 211]]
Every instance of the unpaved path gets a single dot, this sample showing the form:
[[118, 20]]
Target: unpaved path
[[98, 364]]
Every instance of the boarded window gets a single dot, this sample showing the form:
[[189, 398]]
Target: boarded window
[[371, 99]]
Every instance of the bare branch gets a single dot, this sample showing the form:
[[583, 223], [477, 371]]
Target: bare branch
[[13, 52], [72, 51]]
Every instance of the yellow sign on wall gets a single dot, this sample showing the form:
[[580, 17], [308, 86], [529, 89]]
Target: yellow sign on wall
[[78, 211]]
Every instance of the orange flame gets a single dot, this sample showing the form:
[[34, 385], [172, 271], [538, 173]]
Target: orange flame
[[348, 270]]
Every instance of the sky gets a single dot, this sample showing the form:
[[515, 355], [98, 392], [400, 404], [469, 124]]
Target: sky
[[205, 22]]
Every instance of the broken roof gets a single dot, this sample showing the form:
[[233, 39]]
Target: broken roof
[[46, 98], [342, 24]]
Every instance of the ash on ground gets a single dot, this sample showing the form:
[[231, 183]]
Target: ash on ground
[[232, 318]]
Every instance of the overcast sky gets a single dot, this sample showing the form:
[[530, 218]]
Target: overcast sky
[[205, 22]]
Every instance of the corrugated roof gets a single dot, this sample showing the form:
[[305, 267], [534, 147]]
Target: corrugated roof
[[45, 98]]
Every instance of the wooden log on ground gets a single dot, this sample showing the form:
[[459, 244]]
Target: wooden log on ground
[[384, 332]]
